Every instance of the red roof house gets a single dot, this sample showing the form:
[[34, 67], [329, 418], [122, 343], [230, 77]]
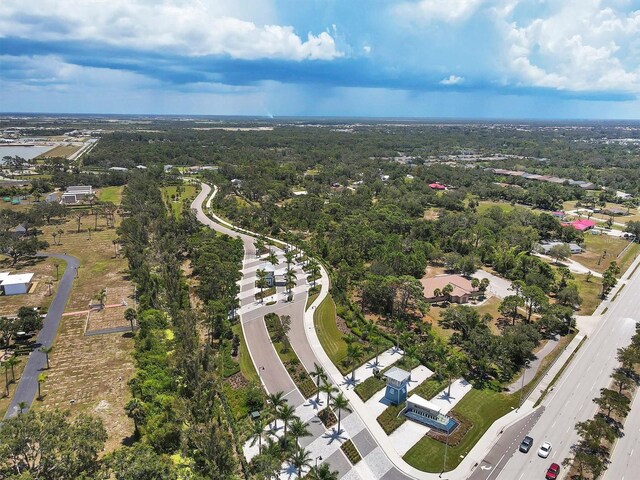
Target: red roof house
[[581, 225], [437, 186]]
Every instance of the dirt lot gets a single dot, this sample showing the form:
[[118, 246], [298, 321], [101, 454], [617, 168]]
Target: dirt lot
[[44, 271], [60, 151], [112, 316], [90, 374]]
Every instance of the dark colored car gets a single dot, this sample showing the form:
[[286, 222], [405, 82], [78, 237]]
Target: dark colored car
[[526, 443], [553, 472]]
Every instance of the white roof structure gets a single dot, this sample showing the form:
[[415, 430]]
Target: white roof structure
[[3, 275], [86, 189], [16, 279], [418, 401], [397, 374]]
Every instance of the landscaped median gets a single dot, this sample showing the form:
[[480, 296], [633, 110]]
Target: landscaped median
[[331, 338], [276, 326]]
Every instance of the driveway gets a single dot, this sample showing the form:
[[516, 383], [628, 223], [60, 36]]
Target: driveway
[[498, 286], [28, 386]]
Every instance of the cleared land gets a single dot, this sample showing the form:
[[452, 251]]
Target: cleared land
[[90, 374], [44, 271], [110, 194], [601, 250], [60, 151]]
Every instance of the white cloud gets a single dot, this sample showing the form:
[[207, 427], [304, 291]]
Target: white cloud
[[182, 27], [452, 80], [584, 45], [438, 10]]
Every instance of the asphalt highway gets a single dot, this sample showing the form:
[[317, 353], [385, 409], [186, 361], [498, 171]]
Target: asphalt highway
[[570, 401]]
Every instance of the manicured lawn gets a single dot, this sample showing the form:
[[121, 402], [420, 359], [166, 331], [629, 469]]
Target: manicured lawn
[[628, 257], [110, 194], [246, 365], [314, 292], [330, 337], [482, 408]]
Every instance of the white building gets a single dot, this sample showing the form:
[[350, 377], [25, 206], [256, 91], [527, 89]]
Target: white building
[[15, 284], [77, 193]]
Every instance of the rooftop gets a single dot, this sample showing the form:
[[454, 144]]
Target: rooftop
[[461, 285], [397, 374], [423, 403], [9, 279]]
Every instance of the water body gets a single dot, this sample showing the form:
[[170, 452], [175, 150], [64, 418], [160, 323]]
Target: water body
[[25, 152]]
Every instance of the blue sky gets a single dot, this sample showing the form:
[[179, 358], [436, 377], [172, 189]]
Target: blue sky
[[418, 58]]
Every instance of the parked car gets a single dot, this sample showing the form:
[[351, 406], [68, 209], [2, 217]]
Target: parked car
[[526, 444], [544, 450], [553, 472]]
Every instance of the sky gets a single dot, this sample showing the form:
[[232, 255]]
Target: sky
[[538, 59]]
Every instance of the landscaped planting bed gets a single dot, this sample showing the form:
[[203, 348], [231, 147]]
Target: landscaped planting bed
[[369, 388], [391, 419], [350, 451], [327, 417]]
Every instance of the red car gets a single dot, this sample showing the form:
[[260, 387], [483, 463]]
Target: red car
[[553, 471]]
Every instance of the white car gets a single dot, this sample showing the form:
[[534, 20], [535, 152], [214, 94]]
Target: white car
[[544, 450]]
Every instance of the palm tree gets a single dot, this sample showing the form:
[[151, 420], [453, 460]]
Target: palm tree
[[41, 379], [398, 328], [136, 411], [22, 406], [130, 316], [301, 458], [290, 279], [329, 389], [410, 353], [475, 283], [272, 258], [340, 404], [452, 369], [323, 472], [11, 363], [286, 413], [437, 293], [376, 341], [320, 374], [257, 430], [354, 355], [298, 429], [314, 270], [289, 257], [447, 290], [6, 378], [262, 281], [275, 401], [47, 351]]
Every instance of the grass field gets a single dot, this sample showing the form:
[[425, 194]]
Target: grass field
[[485, 205], [489, 306], [482, 408], [589, 293], [176, 201], [597, 245], [110, 194], [312, 298], [330, 337]]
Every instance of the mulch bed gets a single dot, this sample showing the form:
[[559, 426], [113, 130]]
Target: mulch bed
[[342, 325], [237, 381], [327, 417], [458, 434]]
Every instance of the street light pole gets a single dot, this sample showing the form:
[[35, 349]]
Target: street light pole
[[319, 457], [444, 462], [524, 371]]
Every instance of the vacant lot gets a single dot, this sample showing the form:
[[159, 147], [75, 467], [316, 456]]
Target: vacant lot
[[601, 250], [90, 374], [99, 267], [44, 271], [60, 151], [110, 194]]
